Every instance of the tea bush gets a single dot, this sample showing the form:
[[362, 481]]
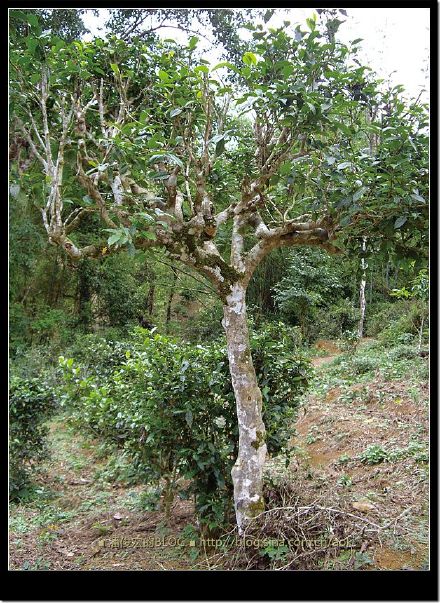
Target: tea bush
[[31, 402], [171, 406], [402, 319], [403, 351], [282, 375], [384, 313], [99, 354], [362, 364], [331, 322]]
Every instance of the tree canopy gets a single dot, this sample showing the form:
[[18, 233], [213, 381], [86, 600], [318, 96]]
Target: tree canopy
[[153, 133]]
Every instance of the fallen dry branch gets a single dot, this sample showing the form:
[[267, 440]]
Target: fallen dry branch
[[296, 536]]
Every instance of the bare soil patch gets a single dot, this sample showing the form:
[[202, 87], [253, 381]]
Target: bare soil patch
[[333, 439]]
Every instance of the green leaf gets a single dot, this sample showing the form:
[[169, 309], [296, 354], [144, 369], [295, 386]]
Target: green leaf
[[220, 147], [359, 193], [163, 75], [268, 14], [249, 58], [193, 42], [131, 249], [225, 64], [202, 68], [344, 128], [34, 23], [115, 68], [311, 23], [216, 138], [400, 221], [287, 70], [175, 112], [35, 78], [167, 157], [114, 238], [32, 44]]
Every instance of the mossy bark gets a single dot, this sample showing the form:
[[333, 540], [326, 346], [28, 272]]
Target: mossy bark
[[247, 473]]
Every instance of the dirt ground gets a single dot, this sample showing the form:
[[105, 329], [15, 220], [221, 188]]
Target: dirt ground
[[91, 522], [332, 433]]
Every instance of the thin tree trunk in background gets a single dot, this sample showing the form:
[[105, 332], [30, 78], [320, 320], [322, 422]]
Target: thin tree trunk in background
[[362, 300], [247, 473], [170, 301], [150, 299], [396, 276], [421, 334]]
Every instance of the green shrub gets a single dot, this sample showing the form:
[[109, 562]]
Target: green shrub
[[282, 375], [31, 403], [171, 406], [396, 323], [350, 341], [374, 454], [206, 325], [362, 365], [52, 324], [99, 354], [382, 314], [403, 351], [393, 335], [333, 321]]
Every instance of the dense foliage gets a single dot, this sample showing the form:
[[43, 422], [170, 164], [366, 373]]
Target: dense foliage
[[171, 406], [375, 185], [31, 403]]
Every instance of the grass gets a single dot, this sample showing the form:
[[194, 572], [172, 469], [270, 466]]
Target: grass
[[372, 359], [375, 453]]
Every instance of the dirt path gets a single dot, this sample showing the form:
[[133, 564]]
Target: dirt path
[[340, 437], [323, 360]]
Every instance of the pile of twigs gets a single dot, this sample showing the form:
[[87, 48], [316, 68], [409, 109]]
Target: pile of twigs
[[291, 535]]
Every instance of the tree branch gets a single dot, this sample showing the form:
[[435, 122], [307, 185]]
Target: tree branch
[[289, 235], [32, 145]]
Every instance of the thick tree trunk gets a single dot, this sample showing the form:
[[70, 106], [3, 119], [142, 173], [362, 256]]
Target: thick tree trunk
[[247, 473]]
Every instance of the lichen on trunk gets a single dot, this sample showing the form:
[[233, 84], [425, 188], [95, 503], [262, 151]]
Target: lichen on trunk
[[247, 473]]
